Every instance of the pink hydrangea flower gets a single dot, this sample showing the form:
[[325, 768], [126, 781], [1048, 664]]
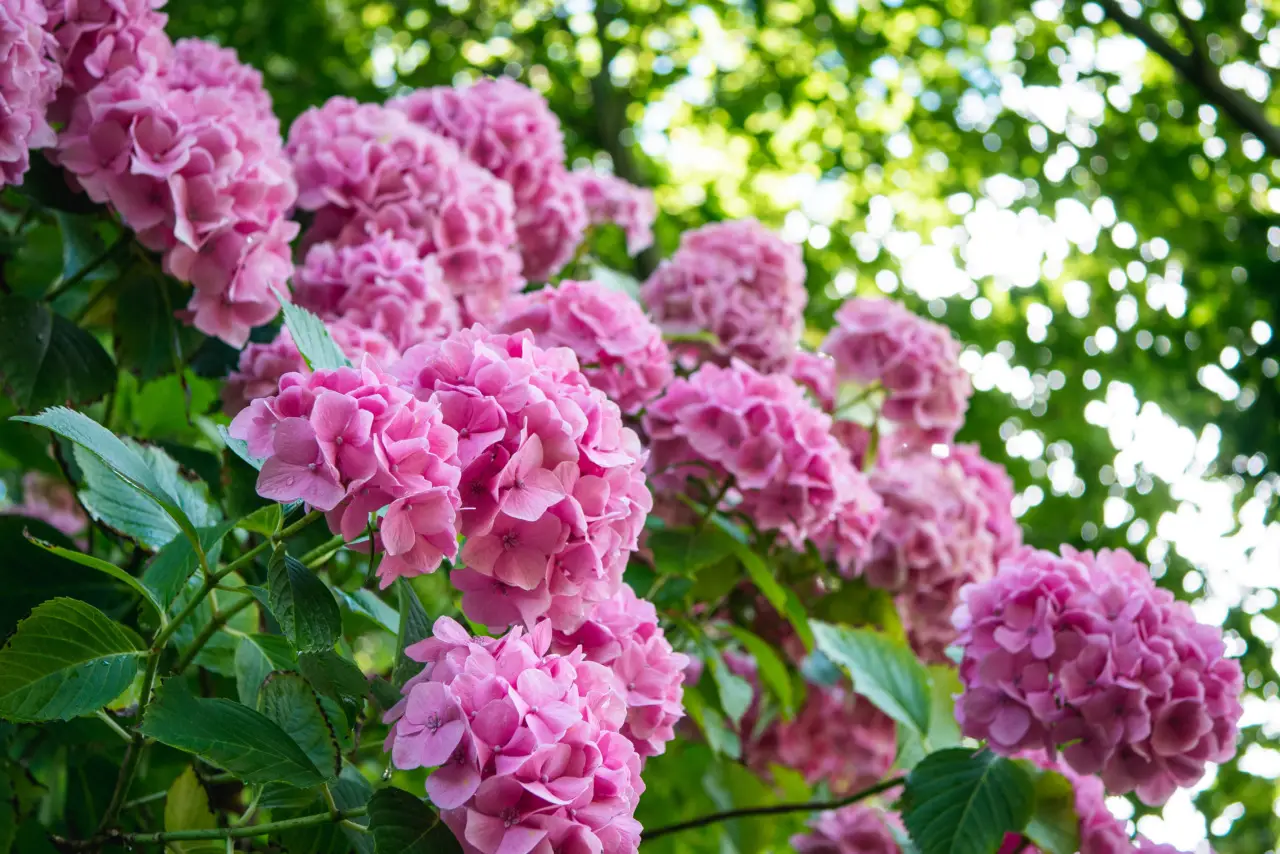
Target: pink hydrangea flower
[[855, 829], [551, 224], [525, 743], [610, 200], [740, 282], [553, 490], [933, 541], [97, 38], [817, 373], [366, 169], [380, 285], [29, 79], [623, 634], [622, 351], [1085, 654], [996, 488], [760, 435], [52, 501], [197, 64], [915, 361], [351, 442]]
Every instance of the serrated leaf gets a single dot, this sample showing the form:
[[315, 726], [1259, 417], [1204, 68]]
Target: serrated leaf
[[306, 610], [228, 735], [186, 807], [46, 360], [403, 824], [148, 339], [883, 670], [335, 677], [105, 568], [1054, 826], [168, 571], [287, 699], [773, 673], [415, 625], [66, 659], [961, 801], [313, 339], [265, 520], [256, 657]]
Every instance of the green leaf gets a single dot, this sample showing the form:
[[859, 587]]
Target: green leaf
[[719, 736], [287, 699], [265, 520], [306, 610], [313, 339], [961, 801], [168, 571], [46, 359], [186, 807], [367, 604], [773, 673], [1054, 826], [683, 551], [102, 566], [335, 677], [257, 656], [47, 185], [82, 245], [944, 683], [350, 791], [231, 736], [8, 812], [615, 280], [735, 692], [402, 824], [415, 625], [784, 601], [66, 659], [884, 671], [148, 339], [240, 448]]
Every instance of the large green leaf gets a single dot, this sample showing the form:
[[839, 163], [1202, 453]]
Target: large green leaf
[[1054, 826], [256, 657], [313, 339], [66, 659], [944, 684], [168, 571], [230, 736], [105, 568], [148, 339], [735, 692], [781, 598], [961, 801], [287, 699], [684, 551], [186, 807], [884, 671], [415, 625], [720, 737], [306, 610], [46, 359], [773, 673], [403, 824], [337, 678]]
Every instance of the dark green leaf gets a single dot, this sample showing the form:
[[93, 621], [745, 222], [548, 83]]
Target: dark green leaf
[[944, 683], [337, 678], [169, 570], [781, 598], [8, 812], [47, 184], [256, 657], [102, 566], [350, 791], [287, 699], [66, 659], [367, 604], [82, 246], [186, 807], [265, 520], [313, 339], [403, 824], [773, 673], [306, 610], [884, 671], [960, 801], [149, 340], [1054, 826], [683, 551], [46, 359], [415, 625], [720, 737]]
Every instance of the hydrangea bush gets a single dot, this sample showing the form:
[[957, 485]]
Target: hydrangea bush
[[579, 536]]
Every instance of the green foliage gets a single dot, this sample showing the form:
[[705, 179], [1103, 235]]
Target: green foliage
[[148, 595], [402, 824], [1054, 826], [46, 359], [883, 670], [186, 807], [307, 611], [257, 656], [287, 699], [313, 339], [961, 801], [415, 625]]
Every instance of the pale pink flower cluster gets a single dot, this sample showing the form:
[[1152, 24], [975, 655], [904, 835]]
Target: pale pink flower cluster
[[855, 829], [351, 442], [996, 490], [525, 744], [198, 176], [932, 541], [623, 634], [509, 130], [380, 285], [738, 281], [29, 80], [198, 64], [817, 373], [97, 38], [620, 349], [553, 489], [50, 500], [367, 169], [611, 200], [914, 360], [759, 435], [1084, 653]]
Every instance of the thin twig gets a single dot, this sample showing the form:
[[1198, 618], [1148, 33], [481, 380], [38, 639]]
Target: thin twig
[[110, 721], [167, 836], [121, 242], [220, 619]]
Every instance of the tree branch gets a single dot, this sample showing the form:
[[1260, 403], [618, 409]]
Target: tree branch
[[1198, 54], [217, 832], [1204, 77]]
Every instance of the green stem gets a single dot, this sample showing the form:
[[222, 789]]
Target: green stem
[[248, 557], [701, 337], [121, 242], [146, 799], [322, 552], [243, 832], [252, 808], [714, 503], [110, 721], [220, 619], [133, 753]]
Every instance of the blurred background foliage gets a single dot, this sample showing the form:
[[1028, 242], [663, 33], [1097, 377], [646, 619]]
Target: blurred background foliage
[[1096, 225]]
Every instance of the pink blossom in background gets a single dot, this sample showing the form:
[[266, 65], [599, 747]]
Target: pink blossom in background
[[996, 488], [197, 64], [381, 285], [525, 743], [97, 38], [855, 829], [50, 500], [932, 542], [621, 350], [817, 373], [738, 281], [914, 360], [623, 634], [553, 489], [350, 442], [788, 473], [366, 169], [551, 224], [1084, 653], [610, 200], [29, 79], [1146, 846]]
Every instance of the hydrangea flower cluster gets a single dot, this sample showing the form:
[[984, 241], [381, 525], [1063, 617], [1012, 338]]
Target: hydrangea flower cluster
[[197, 176], [817, 373], [914, 360], [553, 488], [996, 489], [367, 169], [622, 633], [738, 281], [621, 350], [30, 79], [50, 500], [933, 540], [1084, 653], [855, 829], [351, 442], [97, 38], [509, 130], [525, 743], [610, 200], [760, 436]]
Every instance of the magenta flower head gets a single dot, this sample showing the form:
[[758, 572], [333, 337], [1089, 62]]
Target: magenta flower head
[[197, 65], [996, 489], [50, 500], [914, 360], [553, 490], [1083, 653], [29, 80], [759, 436], [738, 281], [610, 200], [817, 373], [366, 169], [855, 829], [525, 743], [621, 349], [97, 38]]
